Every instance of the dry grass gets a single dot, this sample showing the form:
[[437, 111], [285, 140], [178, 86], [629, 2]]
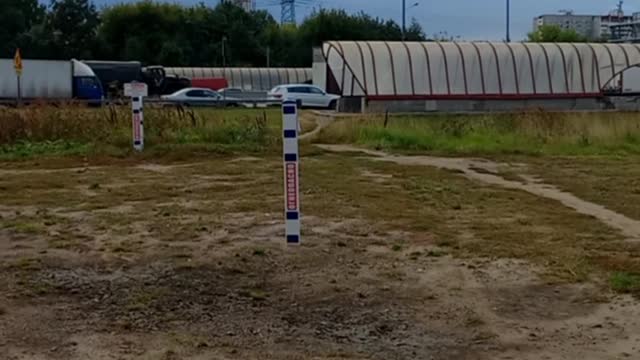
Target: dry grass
[[73, 130], [434, 207], [612, 181], [466, 218], [438, 209]]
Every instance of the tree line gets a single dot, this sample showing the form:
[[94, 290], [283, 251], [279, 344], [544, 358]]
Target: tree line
[[554, 33], [177, 35]]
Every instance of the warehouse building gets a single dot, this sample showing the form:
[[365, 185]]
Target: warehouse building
[[483, 76]]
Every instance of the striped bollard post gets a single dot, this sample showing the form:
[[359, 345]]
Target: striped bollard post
[[138, 123], [137, 91], [291, 172]]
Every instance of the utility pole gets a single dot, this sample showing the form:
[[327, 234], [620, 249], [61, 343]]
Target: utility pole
[[508, 21], [404, 18], [224, 57], [268, 56]]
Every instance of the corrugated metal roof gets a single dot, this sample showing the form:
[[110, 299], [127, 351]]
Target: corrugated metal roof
[[476, 69], [248, 78]]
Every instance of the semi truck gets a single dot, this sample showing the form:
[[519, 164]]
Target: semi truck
[[50, 80], [114, 74]]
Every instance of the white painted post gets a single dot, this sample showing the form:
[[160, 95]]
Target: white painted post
[[137, 91], [138, 123], [291, 172]]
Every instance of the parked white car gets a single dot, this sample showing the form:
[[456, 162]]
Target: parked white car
[[304, 95], [199, 97], [231, 92]]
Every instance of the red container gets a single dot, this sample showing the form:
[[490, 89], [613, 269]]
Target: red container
[[210, 83]]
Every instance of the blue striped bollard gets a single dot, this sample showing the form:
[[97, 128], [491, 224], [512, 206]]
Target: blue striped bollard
[[291, 172]]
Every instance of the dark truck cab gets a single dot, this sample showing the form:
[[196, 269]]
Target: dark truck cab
[[114, 74]]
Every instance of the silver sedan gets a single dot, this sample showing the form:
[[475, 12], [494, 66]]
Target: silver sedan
[[199, 97]]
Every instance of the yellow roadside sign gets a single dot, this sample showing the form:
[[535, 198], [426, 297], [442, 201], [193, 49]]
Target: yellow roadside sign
[[17, 62]]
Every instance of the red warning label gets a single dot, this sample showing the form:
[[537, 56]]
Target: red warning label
[[292, 186], [136, 128]]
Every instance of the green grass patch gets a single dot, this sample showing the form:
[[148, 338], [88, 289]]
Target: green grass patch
[[259, 252], [534, 133], [624, 282], [26, 149], [24, 227], [436, 253]]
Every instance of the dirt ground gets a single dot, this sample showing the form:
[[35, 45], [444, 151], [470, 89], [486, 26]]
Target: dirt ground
[[408, 259]]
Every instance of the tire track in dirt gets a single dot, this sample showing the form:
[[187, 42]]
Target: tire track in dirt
[[321, 119], [485, 171]]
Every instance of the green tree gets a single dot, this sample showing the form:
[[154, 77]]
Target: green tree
[[327, 25], [160, 33], [156, 32], [284, 46], [73, 25], [17, 18], [138, 31], [554, 33], [414, 32], [171, 54]]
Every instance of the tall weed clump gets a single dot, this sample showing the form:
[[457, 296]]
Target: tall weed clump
[[532, 132], [61, 129]]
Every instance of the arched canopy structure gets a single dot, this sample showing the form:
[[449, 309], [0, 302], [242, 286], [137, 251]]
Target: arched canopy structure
[[248, 78], [482, 70]]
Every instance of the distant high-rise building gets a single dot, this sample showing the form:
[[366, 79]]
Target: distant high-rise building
[[592, 27], [248, 5], [626, 32]]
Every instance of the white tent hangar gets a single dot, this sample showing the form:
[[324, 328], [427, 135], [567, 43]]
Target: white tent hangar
[[480, 71], [259, 79]]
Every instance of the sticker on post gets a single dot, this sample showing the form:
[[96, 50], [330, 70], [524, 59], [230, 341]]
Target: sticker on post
[[137, 128], [292, 187], [136, 89]]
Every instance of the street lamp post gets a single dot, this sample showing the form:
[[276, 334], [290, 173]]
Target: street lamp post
[[404, 16], [508, 21]]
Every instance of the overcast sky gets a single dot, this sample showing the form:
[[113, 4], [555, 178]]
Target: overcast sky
[[470, 19]]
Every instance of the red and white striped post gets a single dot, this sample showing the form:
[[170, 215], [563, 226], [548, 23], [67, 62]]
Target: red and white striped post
[[137, 91]]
